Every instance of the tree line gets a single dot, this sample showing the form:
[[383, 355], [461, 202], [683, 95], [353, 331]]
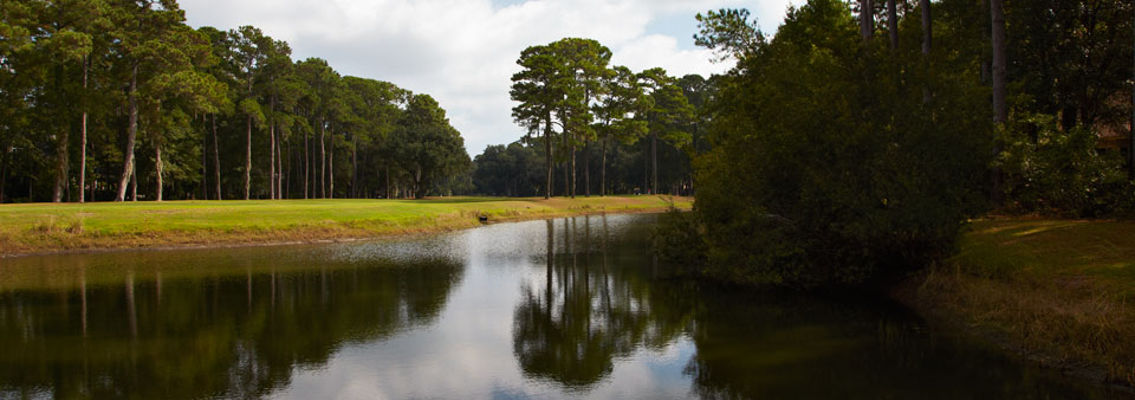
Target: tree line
[[102, 99], [594, 128], [852, 146]]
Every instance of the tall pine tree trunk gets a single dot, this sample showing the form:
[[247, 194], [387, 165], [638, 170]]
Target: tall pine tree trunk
[[4, 169], [158, 168], [204, 157], [355, 167], [603, 171], [322, 160], [306, 166], [60, 166], [286, 189], [62, 156], [279, 166], [587, 170], [645, 167], [653, 163], [548, 155], [565, 165], [927, 28], [131, 134], [866, 19], [927, 38], [83, 137], [272, 161], [216, 159], [893, 24], [158, 158], [997, 12], [248, 158], [1000, 112], [573, 180], [134, 183], [417, 182], [331, 167]]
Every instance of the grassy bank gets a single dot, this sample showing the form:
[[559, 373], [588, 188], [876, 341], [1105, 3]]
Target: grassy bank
[[1056, 291], [38, 228]]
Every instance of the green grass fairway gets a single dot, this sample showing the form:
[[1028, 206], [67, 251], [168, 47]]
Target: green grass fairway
[[35, 228], [1059, 291]]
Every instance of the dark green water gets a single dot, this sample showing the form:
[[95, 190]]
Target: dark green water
[[570, 308]]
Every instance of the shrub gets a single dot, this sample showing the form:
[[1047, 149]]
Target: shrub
[[1051, 171], [827, 170]]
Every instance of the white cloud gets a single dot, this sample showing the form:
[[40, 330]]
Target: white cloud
[[463, 52]]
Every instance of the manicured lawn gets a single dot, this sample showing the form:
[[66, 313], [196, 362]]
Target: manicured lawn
[[26, 228], [1058, 291]]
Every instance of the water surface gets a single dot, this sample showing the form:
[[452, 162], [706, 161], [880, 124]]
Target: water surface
[[565, 308]]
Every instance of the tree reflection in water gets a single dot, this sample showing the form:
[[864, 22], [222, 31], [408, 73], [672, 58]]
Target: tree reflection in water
[[593, 317], [211, 333], [589, 312], [602, 298]]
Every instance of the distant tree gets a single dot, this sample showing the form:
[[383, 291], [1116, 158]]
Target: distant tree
[[67, 33], [667, 117], [323, 85], [426, 146], [281, 91], [698, 92], [510, 170], [222, 72], [583, 64], [146, 35], [374, 103], [182, 87], [620, 111], [538, 90], [248, 54]]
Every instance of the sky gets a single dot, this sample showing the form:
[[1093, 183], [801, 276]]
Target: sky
[[463, 52]]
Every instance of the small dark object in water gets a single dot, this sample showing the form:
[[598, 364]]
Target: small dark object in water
[[483, 218]]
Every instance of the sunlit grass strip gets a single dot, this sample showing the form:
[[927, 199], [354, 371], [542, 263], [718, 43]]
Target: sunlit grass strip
[[38, 228], [1058, 291]]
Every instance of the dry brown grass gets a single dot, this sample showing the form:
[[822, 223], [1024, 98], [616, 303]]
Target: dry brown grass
[[1056, 292]]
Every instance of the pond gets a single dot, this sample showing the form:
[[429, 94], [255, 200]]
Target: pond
[[565, 308]]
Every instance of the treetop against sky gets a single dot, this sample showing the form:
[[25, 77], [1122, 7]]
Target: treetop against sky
[[464, 51]]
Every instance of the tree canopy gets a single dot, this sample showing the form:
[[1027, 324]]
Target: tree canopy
[[148, 108]]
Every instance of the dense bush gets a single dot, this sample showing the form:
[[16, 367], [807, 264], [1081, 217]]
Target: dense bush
[[829, 168], [1052, 171], [680, 240]]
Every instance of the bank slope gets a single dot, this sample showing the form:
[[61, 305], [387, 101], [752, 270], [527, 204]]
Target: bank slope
[[44, 228], [1057, 291]]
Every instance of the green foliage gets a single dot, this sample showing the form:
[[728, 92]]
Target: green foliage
[[622, 102], [669, 112], [426, 146], [193, 94], [512, 170], [826, 169], [679, 238], [1072, 58], [567, 85], [1052, 171], [729, 33]]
